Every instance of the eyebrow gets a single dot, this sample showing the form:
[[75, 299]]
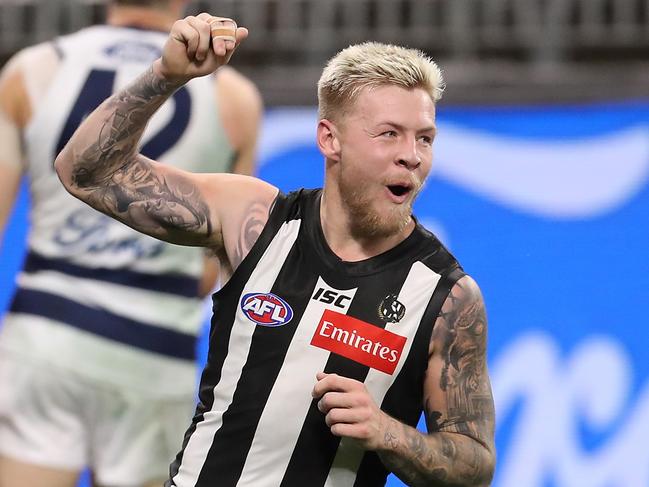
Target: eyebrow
[[398, 126]]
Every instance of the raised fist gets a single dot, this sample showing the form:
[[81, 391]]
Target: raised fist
[[197, 46]]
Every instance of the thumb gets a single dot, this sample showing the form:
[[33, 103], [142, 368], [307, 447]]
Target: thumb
[[240, 35]]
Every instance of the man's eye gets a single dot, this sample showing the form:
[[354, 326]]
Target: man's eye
[[390, 133]]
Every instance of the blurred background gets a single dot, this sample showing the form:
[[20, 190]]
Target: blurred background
[[540, 188]]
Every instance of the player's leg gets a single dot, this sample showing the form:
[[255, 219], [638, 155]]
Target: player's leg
[[41, 435], [14, 472], [136, 446]]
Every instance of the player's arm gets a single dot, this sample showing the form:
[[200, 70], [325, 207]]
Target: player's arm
[[240, 110], [459, 447], [458, 403], [101, 164], [14, 114]]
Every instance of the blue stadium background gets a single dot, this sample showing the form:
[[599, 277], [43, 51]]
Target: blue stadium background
[[548, 209]]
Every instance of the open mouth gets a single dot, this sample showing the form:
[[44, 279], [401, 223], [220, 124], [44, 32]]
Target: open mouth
[[399, 189]]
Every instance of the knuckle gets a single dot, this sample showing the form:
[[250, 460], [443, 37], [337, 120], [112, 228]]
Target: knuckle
[[326, 400]]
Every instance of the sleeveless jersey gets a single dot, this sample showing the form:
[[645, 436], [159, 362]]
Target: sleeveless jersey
[[291, 309], [95, 295]]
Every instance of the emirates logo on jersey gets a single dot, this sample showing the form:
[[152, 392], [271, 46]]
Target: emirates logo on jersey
[[359, 341]]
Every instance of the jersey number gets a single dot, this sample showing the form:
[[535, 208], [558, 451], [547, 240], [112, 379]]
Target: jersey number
[[99, 86]]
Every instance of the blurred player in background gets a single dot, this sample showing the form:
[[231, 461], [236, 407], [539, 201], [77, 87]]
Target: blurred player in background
[[104, 319]]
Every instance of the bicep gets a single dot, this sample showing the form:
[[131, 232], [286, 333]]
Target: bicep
[[156, 199], [457, 390], [13, 113], [246, 152], [240, 111], [9, 183]]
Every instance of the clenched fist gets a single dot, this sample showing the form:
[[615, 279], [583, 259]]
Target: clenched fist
[[197, 46]]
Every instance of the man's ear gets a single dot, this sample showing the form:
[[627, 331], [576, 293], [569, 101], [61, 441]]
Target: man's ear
[[328, 141]]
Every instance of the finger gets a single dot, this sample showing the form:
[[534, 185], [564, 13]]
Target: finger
[[335, 382], [223, 28], [223, 32], [202, 27], [348, 430], [332, 400], [241, 34], [324, 383], [183, 32], [342, 415], [205, 16]]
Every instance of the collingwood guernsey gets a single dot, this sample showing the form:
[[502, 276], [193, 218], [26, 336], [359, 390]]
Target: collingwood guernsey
[[290, 310]]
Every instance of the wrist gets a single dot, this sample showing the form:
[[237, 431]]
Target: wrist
[[162, 74], [390, 435]]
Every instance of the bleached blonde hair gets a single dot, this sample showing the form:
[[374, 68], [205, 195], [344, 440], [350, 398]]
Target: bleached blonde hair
[[373, 64]]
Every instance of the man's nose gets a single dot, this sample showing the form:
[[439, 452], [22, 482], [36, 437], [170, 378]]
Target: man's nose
[[408, 155]]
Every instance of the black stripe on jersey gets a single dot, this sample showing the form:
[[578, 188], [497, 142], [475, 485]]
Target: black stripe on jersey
[[225, 304], [177, 284], [305, 466], [269, 346], [404, 400], [102, 323]]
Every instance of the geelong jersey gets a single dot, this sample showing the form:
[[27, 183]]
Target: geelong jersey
[[95, 295], [291, 309]]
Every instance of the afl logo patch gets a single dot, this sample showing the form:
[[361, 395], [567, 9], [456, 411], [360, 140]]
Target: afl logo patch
[[266, 309], [391, 309]]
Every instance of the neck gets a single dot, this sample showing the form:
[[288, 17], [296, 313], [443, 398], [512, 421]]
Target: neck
[[341, 238], [150, 18]]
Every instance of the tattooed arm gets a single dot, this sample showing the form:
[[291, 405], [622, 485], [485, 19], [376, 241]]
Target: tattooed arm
[[101, 164], [458, 449]]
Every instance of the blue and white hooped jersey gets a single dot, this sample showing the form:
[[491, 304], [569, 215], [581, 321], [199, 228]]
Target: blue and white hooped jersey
[[95, 295]]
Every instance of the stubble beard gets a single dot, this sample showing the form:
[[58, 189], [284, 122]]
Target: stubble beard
[[366, 222]]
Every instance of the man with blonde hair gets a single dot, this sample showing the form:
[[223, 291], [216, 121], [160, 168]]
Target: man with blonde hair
[[104, 319], [342, 318]]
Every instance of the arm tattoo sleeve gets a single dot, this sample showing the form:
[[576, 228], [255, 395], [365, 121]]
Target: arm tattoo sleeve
[[115, 179], [253, 223], [458, 451]]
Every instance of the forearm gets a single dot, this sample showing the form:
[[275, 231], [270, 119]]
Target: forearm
[[107, 140], [437, 459]]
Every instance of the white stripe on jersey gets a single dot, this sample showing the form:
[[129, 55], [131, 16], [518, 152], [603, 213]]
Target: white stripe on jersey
[[415, 294], [272, 446], [164, 310], [262, 278], [37, 336]]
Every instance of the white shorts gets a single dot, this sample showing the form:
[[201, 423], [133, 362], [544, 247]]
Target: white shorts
[[55, 418]]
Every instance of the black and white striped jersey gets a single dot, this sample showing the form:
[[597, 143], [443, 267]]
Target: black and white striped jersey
[[291, 309]]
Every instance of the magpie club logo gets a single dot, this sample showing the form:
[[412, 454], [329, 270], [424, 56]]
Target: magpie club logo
[[391, 309]]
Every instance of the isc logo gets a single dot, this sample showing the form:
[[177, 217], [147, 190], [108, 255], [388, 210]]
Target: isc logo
[[329, 296], [266, 309]]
